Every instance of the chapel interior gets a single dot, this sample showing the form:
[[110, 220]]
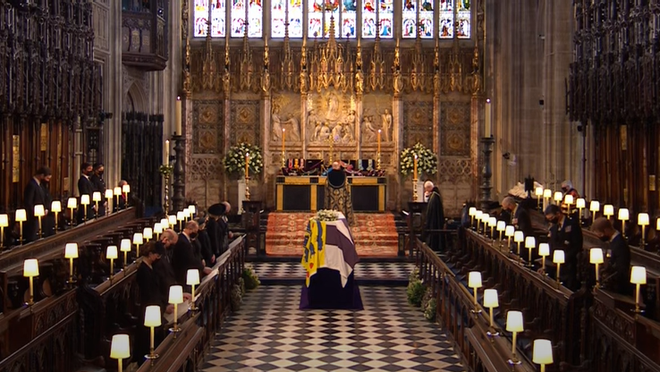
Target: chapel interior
[[165, 164]]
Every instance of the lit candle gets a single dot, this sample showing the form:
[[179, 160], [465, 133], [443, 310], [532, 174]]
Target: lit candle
[[488, 130], [378, 140], [283, 139], [415, 168], [177, 117], [247, 164], [167, 151]]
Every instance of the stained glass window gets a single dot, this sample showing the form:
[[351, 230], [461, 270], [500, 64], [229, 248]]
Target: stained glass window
[[295, 18], [409, 18], [369, 19], [331, 11], [463, 15], [386, 18], [349, 19], [218, 18], [315, 18], [255, 17], [377, 12], [278, 15], [446, 19], [201, 15], [238, 14], [426, 19]]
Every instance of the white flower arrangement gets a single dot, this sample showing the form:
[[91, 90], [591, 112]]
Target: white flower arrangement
[[234, 161], [327, 215], [427, 161]]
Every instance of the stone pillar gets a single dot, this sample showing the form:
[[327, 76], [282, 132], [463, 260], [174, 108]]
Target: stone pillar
[[267, 181], [303, 124], [358, 126], [397, 133]]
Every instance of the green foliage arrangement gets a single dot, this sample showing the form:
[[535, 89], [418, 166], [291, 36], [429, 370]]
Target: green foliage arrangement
[[415, 288], [250, 278], [234, 161], [429, 305], [427, 161]]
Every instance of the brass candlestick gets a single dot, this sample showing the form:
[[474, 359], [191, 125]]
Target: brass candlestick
[[247, 188], [415, 194]]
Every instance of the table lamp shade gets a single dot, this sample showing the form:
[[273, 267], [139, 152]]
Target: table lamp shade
[[530, 242], [176, 294], [84, 199], [164, 223], [148, 233], [542, 353], [72, 203], [608, 210], [472, 211], [111, 252], [186, 213], [96, 196], [568, 199], [558, 196], [120, 347], [559, 257], [490, 298], [71, 250], [580, 203], [474, 279], [125, 245], [544, 249], [638, 275], [158, 228], [539, 191], [4, 220], [514, 321], [518, 237], [485, 217], [39, 210], [624, 214], [126, 188], [171, 220], [492, 222], [117, 191], [21, 215], [56, 206], [509, 231], [596, 256], [643, 219], [657, 224], [137, 238], [501, 225], [192, 278], [478, 214], [30, 267], [108, 193], [192, 209], [594, 206], [180, 216], [547, 193], [152, 316]]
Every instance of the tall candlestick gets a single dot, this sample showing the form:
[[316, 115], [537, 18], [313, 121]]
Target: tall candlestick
[[283, 138], [488, 132], [415, 168], [167, 152], [378, 140], [177, 117], [247, 164]]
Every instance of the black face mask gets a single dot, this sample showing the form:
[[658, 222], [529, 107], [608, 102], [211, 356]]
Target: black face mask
[[100, 173], [555, 220], [604, 238], [193, 235]]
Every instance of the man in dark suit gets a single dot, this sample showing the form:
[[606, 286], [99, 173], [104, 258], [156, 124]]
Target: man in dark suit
[[85, 187], [519, 216], [99, 185], [35, 194], [616, 275], [183, 256], [435, 216], [565, 234], [164, 267]]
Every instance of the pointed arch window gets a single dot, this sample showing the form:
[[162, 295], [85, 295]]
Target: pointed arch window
[[377, 12], [279, 12], [418, 13]]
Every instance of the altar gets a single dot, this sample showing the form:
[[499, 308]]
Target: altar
[[307, 193]]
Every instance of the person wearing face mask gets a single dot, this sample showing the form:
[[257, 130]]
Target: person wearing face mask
[[183, 256], [99, 185], [565, 234], [85, 187], [36, 194], [568, 189], [519, 217], [616, 274]]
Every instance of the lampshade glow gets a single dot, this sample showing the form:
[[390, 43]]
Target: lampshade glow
[[474, 279], [558, 196], [542, 353], [71, 250], [539, 191], [530, 242], [176, 294], [108, 193], [492, 222], [164, 223], [192, 209], [509, 231], [152, 316], [478, 214], [84, 199], [117, 191], [580, 203], [514, 321], [72, 203], [518, 237], [31, 268], [158, 228], [148, 233], [171, 220], [624, 214], [125, 245], [56, 206], [21, 215], [137, 238], [608, 210], [39, 210], [192, 278], [186, 213], [559, 257], [180, 216], [594, 206], [657, 224], [547, 193], [638, 275], [96, 196], [490, 298], [120, 347], [4, 220], [568, 199], [544, 249], [111, 252], [596, 256], [472, 211], [501, 225], [643, 219], [126, 188]]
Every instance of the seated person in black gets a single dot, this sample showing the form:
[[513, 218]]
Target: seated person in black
[[565, 234], [163, 267], [183, 256], [615, 276]]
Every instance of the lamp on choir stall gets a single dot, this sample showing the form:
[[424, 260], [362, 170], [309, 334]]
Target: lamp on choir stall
[[171, 220], [594, 207], [21, 216], [491, 301], [138, 239], [147, 234], [558, 198], [508, 232], [4, 222], [643, 220], [514, 324], [492, 223], [638, 277], [56, 207], [501, 226], [518, 237], [472, 212], [158, 229], [558, 257], [477, 217], [125, 190], [176, 298], [72, 204], [547, 194], [30, 270], [530, 243], [84, 201], [180, 217], [192, 279], [152, 320], [71, 252], [608, 210], [125, 246], [544, 251], [580, 204], [568, 200], [624, 215], [542, 353], [39, 212], [108, 199], [186, 214], [484, 219], [111, 254], [596, 258], [474, 282], [192, 210], [117, 192], [539, 194], [96, 198], [120, 349]]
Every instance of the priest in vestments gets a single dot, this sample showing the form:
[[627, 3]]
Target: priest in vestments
[[337, 193], [435, 216]]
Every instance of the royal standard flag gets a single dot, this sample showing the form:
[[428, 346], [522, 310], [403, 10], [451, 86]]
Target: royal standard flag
[[314, 244]]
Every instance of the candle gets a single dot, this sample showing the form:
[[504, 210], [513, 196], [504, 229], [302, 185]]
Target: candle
[[283, 138], [167, 151], [247, 163], [177, 117], [415, 169], [488, 130], [378, 140]]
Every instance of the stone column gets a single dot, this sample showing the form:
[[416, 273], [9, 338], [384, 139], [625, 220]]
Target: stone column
[[358, 126], [265, 139], [303, 124], [397, 133]]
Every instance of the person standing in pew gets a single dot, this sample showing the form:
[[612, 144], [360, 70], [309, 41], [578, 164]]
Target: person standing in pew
[[148, 286], [435, 216], [565, 234], [35, 194], [519, 216], [183, 256], [213, 227], [616, 275], [163, 267], [85, 187], [99, 185], [203, 244]]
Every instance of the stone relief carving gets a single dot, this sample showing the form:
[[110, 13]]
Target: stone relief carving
[[291, 125], [377, 115], [331, 117]]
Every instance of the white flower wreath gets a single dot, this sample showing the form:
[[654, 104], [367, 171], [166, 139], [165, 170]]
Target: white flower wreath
[[234, 161], [427, 161]]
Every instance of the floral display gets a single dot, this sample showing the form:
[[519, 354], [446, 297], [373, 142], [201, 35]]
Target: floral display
[[327, 215], [427, 161], [235, 159]]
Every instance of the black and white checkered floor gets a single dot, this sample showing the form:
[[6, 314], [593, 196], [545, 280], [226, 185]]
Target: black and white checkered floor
[[363, 270], [269, 333]]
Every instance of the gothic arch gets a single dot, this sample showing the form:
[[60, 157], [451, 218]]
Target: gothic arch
[[135, 99]]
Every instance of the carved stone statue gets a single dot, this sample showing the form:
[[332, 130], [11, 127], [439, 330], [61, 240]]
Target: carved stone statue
[[397, 83], [368, 130], [359, 82], [324, 133], [317, 132], [276, 124], [386, 125]]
